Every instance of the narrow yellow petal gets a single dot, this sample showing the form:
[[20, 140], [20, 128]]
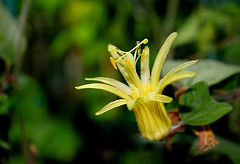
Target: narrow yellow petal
[[131, 103], [112, 49], [180, 67], [113, 82], [157, 67], [162, 98], [105, 87], [145, 72], [174, 77], [112, 105]]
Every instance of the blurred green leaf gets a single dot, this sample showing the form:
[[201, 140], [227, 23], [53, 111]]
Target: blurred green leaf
[[188, 31], [53, 138], [4, 104], [141, 157], [234, 117], [201, 26], [231, 53], [1, 37], [51, 6], [229, 84], [13, 43], [79, 11], [197, 107], [5, 145], [33, 103], [209, 71], [60, 45], [205, 37]]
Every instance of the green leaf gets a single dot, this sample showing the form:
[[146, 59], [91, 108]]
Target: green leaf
[[1, 37], [56, 139], [197, 107], [13, 42], [5, 145], [188, 32], [209, 71], [4, 104]]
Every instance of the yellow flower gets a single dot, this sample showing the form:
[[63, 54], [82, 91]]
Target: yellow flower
[[143, 94]]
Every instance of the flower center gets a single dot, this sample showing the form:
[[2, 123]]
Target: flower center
[[136, 92]]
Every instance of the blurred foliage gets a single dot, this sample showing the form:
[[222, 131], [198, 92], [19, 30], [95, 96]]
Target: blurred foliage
[[49, 49], [205, 70], [13, 43], [54, 137]]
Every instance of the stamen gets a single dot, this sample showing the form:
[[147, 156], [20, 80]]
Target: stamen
[[142, 42], [135, 92], [128, 63], [123, 56], [113, 63], [143, 55], [136, 51], [148, 89], [119, 60], [137, 59]]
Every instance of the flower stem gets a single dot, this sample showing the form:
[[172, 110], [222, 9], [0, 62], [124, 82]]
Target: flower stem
[[174, 129]]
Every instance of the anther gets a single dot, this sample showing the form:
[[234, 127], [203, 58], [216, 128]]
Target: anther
[[128, 63], [113, 63], [143, 55]]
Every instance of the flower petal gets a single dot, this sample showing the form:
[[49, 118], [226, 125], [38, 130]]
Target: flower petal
[[112, 105], [113, 82], [162, 98], [105, 87], [152, 119], [131, 103], [174, 77], [157, 67], [145, 72], [180, 67]]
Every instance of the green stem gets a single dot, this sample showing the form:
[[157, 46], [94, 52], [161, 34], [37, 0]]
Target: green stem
[[25, 150], [22, 25]]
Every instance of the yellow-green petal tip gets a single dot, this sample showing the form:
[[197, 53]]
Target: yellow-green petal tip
[[174, 33]]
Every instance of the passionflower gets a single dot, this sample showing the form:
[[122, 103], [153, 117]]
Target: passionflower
[[142, 94]]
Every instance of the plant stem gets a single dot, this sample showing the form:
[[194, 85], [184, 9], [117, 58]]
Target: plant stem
[[22, 25], [174, 129], [25, 150]]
